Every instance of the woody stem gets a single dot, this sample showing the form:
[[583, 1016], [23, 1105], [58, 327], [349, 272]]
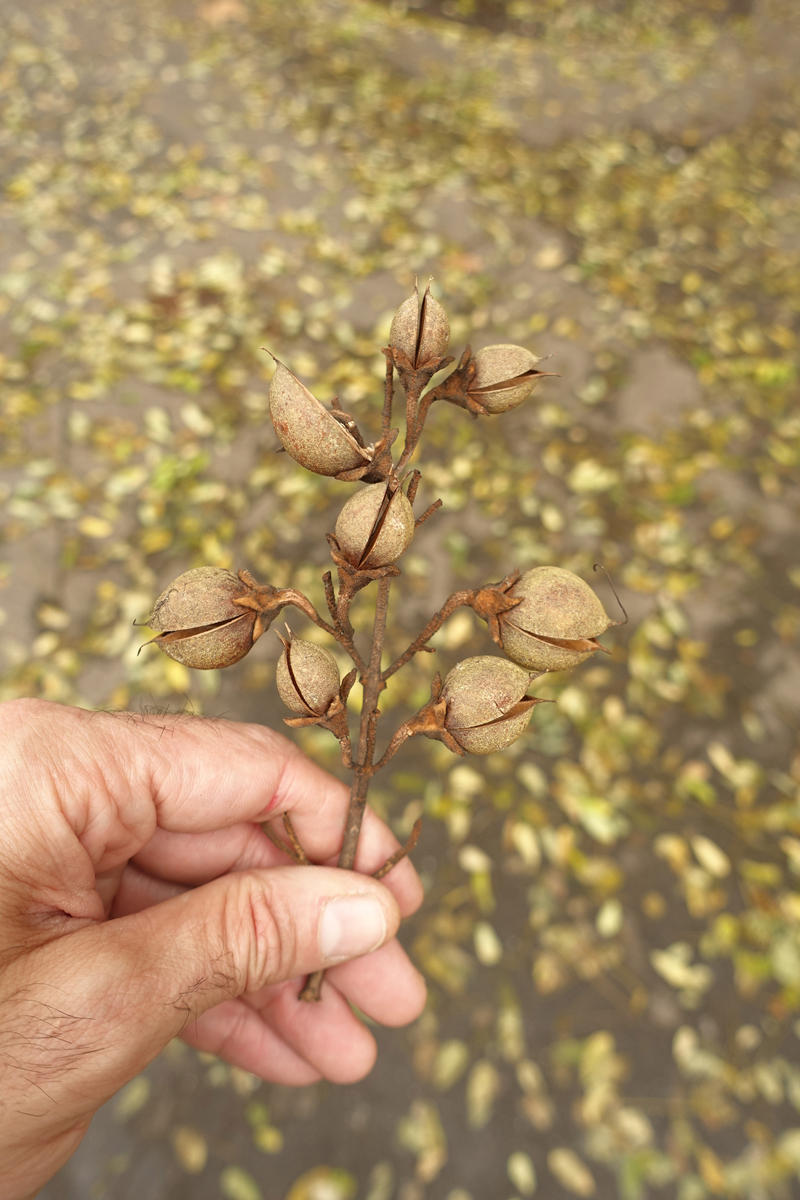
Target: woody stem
[[373, 684], [413, 429], [388, 396]]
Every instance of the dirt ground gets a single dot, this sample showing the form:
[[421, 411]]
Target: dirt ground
[[615, 985]]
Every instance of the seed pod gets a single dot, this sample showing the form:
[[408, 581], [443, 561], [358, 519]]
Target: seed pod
[[557, 623], [309, 432], [375, 526], [307, 676], [487, 708], [199, 625], [421, 333], [505, 375]]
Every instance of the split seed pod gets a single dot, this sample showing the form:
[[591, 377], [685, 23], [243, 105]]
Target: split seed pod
[[309, 432], [505, 375], [487, 705], [200, 625], [420, 332], [375, 526], [557, 622], [307, 676]]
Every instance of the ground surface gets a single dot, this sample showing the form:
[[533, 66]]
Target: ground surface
[[615, 964]]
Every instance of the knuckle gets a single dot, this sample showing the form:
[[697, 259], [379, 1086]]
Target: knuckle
[[264, 928]]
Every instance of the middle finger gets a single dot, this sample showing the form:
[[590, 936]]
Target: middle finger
[[192, 859]]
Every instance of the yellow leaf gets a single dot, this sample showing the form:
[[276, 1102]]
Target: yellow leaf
[[323, 1183], [236, 1184], [95, 527], [522, 1173], [132, 1098], [190, 1149], [482, 1088], [570, 1172]]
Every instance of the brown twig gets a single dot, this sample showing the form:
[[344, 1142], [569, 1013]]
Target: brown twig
[[454, 601], [373, 684], [294, 841], [416, 386], [388, 396], [429, 511], [401, 853], [413, 484], [330, 594], [292, 596], [294, 849]]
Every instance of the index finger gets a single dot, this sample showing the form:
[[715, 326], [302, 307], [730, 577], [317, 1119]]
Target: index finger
[[120, 777]]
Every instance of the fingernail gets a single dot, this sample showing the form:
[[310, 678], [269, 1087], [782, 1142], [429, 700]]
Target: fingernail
[[351, 925]]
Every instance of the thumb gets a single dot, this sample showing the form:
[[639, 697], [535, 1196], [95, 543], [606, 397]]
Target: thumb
[[127, 987]]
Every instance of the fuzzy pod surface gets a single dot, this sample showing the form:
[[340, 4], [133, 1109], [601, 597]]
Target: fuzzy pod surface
[[420, 332], [198, 623], [308, 432], [505, 375], [554, 604], [487, 705], [307, 676], [367, 519]]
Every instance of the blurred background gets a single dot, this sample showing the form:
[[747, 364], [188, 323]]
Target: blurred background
[[612, 927]]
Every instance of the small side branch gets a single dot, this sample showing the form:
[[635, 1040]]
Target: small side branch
[[429, 511], [456, 600], [294, 841], [292, 596], [401, 736], [388, 396], [330, 595], [294, 849], [400, 854]]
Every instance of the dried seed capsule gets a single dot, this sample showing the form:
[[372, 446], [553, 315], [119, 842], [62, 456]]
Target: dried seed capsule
[[375, 526], [307, 676], [309, 432], [198, 622], [557, 623], [505, 375], [420, 332], [487, 708]]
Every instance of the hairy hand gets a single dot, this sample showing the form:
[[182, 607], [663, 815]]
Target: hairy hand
[[139, 900]]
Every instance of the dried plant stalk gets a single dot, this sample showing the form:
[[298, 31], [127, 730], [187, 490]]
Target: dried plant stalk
[[547, 619]]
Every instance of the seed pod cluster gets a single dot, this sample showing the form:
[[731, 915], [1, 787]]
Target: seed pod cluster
[[199, 622], [545, 620]]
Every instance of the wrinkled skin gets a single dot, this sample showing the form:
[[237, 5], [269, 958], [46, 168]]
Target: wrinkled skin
[[139, 902]]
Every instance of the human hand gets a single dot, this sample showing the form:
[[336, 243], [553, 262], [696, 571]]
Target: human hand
[[149, 821]]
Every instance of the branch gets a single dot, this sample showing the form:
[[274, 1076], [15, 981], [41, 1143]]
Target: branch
[[373, 685], [401, 853], [330, 595], [456, 600], [399, 738], [429, 511], [292, 596], [294, 850], [412, 437], [388, 396]]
